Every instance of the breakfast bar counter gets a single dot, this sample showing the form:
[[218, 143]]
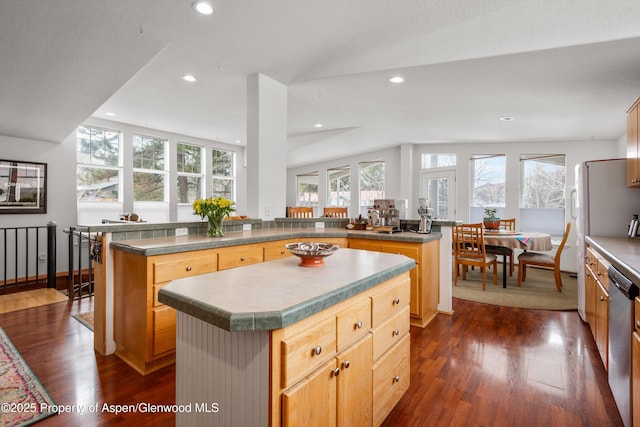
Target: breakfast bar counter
[[263, 345]]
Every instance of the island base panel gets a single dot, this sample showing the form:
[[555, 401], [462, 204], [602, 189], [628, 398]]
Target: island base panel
[[222, 377]]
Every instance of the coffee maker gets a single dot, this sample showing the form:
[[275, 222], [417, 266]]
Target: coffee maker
[[384, 215], [426, 216]]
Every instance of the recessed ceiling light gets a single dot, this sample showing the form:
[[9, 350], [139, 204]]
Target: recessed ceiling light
[[396, 79], [189, 78], [318, 125], [202, 6], [507, 118], [110, 114]]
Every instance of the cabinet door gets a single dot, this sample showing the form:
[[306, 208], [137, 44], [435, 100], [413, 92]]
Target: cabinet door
[[602, 323], [633, 155], [635, 378], [368, 245], [355, 385], [312, 401], [412, 251], [590, 295]]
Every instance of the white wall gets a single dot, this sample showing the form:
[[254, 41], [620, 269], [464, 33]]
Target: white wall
[[61, 188]]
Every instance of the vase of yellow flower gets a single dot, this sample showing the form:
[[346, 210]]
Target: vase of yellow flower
[[215, 209]]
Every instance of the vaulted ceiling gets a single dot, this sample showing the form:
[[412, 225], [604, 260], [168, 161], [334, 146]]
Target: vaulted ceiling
[[565, 70]]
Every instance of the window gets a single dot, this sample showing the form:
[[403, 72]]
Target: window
[[371, 183], [307, 189], [542, 198], [99, 170], [339, 184], [430, 161], [224, 173], [149, 174], [189, 170], [488, 176]]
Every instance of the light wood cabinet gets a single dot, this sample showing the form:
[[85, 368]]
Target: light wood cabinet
[[322, 380], [597, 300], [633, 145], [144, 329], [425, 282], [239, 256]]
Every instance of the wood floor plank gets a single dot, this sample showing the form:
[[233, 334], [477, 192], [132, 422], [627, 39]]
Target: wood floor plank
[[483, 366]]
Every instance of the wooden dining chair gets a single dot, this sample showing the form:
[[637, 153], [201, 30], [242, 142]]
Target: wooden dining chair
[[300, 212], [507, 225], [544, 261], [469, 250], [334, 212]]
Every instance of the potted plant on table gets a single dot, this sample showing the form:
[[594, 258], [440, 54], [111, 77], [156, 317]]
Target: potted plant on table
[[214, 209], [490, 220]]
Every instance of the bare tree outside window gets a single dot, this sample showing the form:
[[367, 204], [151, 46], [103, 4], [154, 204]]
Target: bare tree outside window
[[223, 170], [307, 189], [339, 183], [371, 183], [149, 169], [488, 173], [189, 170], [98, 164]]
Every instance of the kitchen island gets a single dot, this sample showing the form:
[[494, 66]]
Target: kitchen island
[[274, 343]]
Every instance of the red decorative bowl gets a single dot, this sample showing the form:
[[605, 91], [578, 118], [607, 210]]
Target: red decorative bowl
[[312, 254]]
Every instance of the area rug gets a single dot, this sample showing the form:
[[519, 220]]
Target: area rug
[[85, 318], [538, 291], [23, 400]]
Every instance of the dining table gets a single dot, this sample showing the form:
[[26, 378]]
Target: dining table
[[524, 240]]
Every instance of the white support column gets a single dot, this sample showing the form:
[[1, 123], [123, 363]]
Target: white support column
[[266, 147]]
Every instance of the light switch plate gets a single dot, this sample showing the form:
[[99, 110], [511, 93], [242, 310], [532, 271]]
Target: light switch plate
[[246, 227], [319, 224], [181, 231]]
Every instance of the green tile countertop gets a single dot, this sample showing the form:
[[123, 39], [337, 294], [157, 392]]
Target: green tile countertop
[[275, 294], [168, 245]]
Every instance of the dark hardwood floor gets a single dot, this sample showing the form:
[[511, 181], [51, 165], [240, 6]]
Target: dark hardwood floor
[[484, 366]]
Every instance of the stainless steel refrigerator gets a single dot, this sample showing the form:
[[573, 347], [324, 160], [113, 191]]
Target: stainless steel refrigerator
[[604, 207]]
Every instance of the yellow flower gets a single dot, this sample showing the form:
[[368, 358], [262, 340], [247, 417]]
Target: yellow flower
[[216, 207]]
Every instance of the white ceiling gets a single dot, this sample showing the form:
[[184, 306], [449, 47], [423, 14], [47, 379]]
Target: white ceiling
[[565, 69]]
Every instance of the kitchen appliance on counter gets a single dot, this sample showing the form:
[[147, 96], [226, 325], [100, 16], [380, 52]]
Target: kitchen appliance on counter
[[604, 205], [426, 216], [622, 292], [384, 214]]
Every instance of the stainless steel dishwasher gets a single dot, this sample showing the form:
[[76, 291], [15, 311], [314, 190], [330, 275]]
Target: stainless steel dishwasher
[[622, 291]]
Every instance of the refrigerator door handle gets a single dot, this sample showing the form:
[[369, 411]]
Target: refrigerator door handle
[[572, 200]]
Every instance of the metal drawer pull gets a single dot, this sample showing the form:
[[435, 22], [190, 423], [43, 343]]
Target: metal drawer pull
[[188, 268], [396, 332], [242, 258], [603, 298], [282, 252], [638, 324], [396, 379], [358, 324], [396, 301], [346, 364], [317, 350], [335, 372]]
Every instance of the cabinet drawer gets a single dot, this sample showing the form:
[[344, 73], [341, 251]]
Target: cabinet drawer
[[157, 288], [276, 250], [163, 271], [602, 272], [307, 350], [239, 256], [389, 302], [412, 252], [353, 323], [390, 332], [369, 245], [390, 379], [164, 330]]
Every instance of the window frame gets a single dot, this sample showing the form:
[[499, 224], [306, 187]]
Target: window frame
[[188, 175], [118, 167], [164, 172]]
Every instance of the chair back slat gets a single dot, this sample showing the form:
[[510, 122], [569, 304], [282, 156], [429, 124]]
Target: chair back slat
[[335, 212], [300, 212]]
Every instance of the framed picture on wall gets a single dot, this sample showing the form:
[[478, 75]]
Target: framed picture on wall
[[23, 187]]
